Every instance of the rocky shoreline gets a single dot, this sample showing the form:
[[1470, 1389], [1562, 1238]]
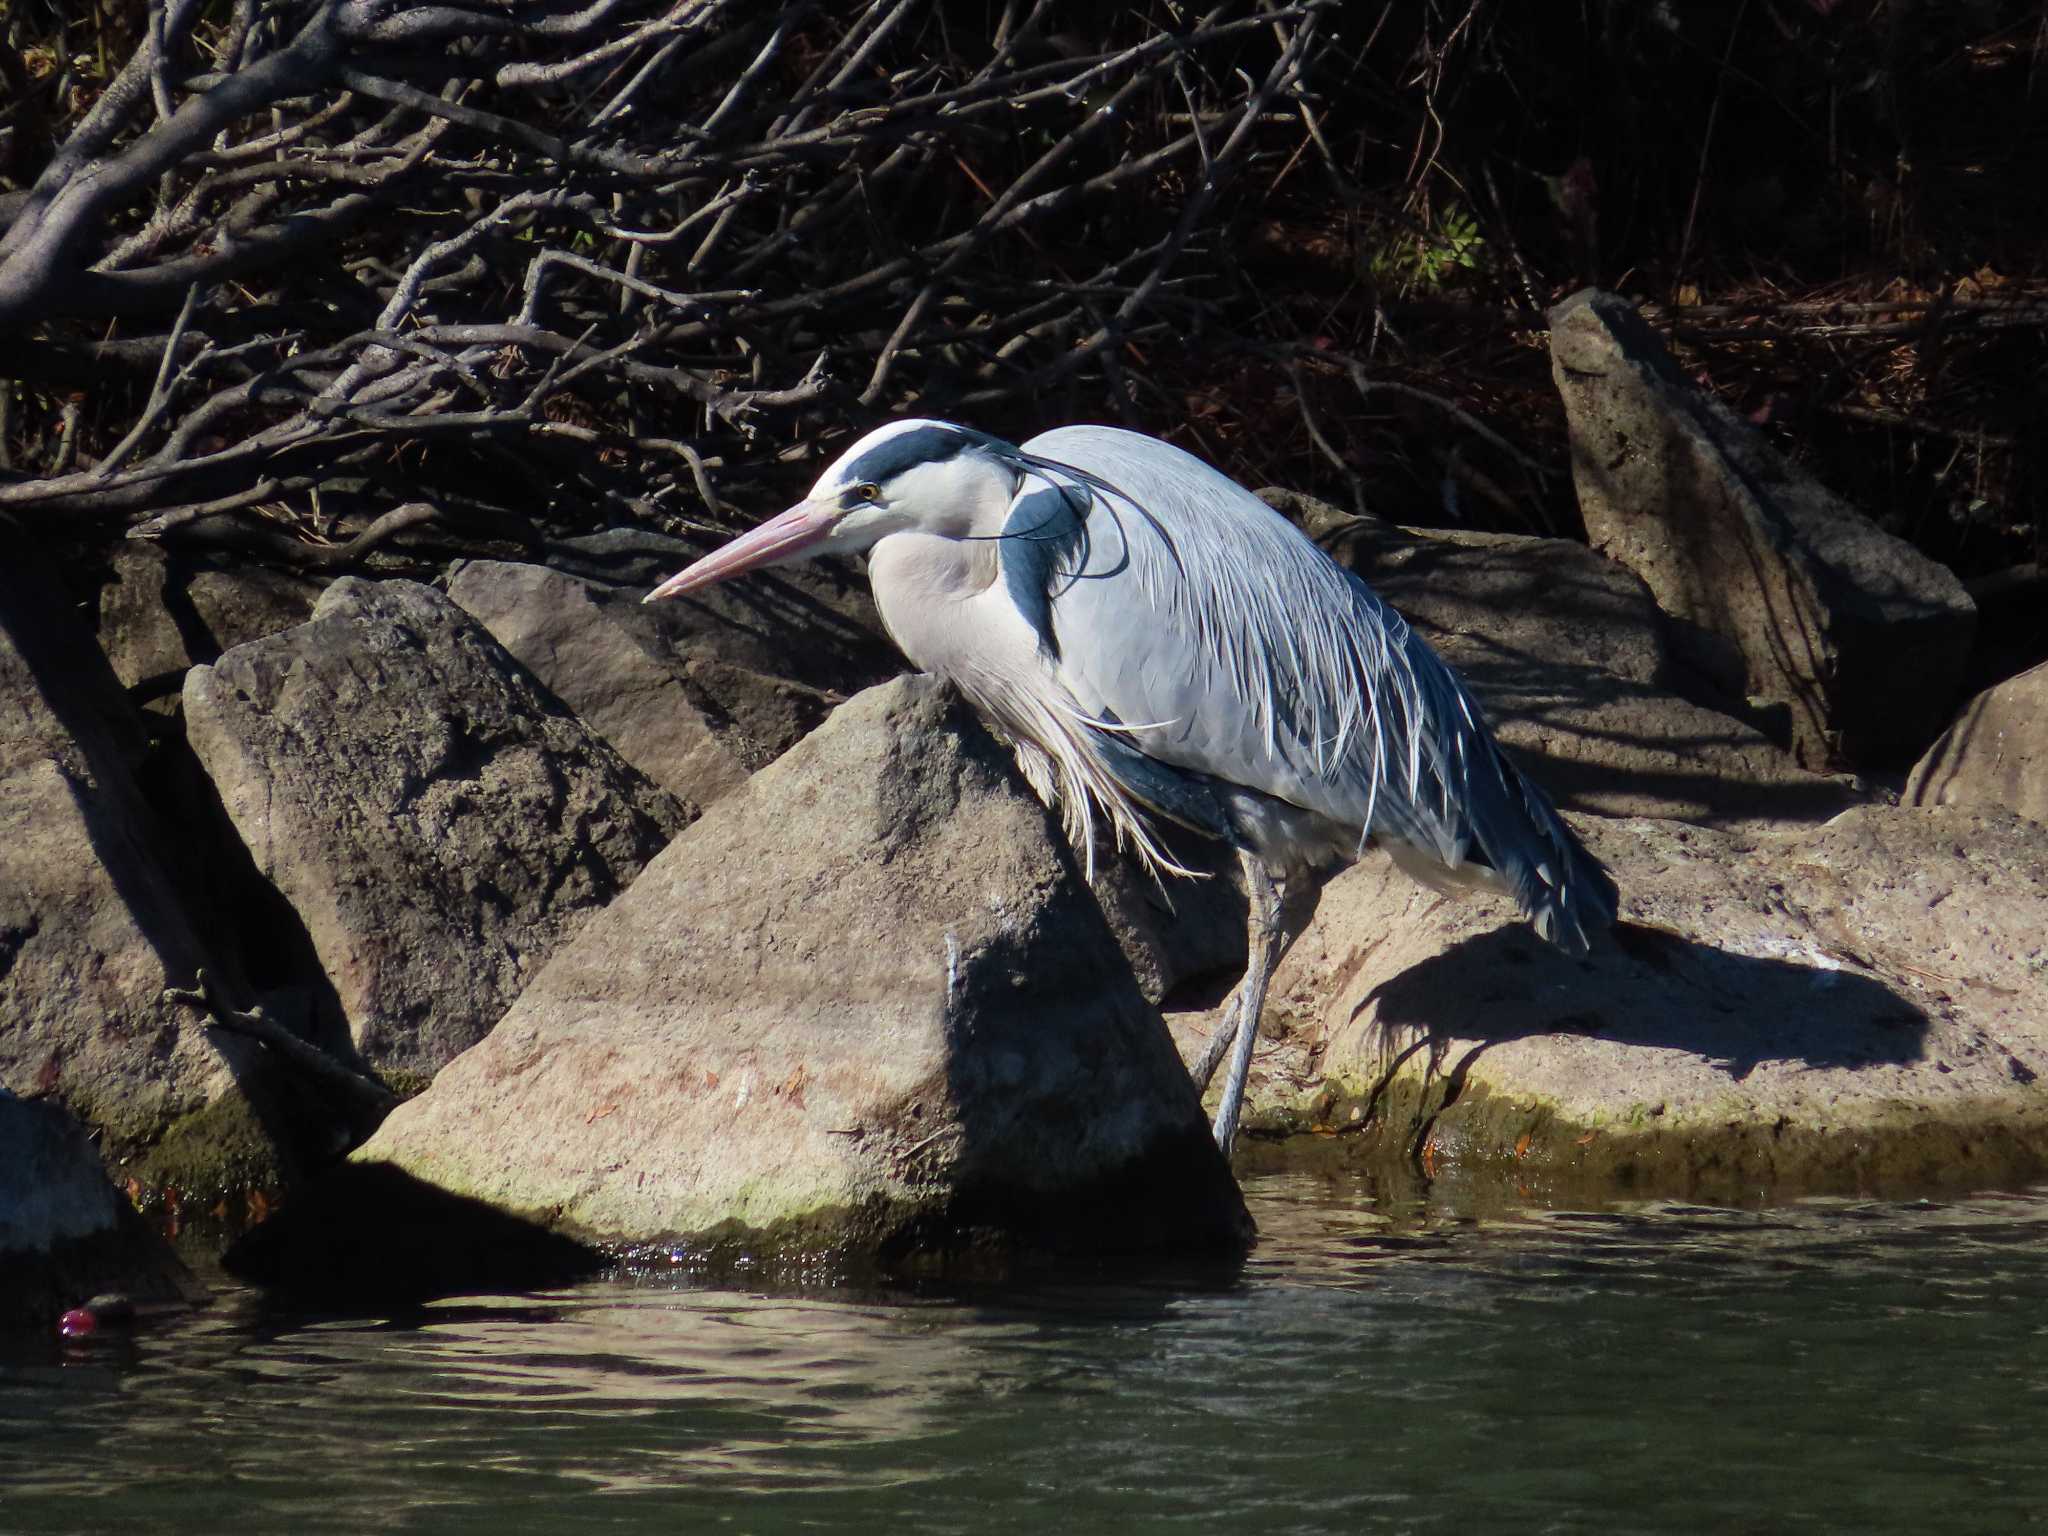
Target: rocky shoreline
[[699, 925], [1848, 1007]]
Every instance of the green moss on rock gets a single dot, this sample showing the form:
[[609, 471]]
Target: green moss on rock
[[1646, 1152], [209, 1154]]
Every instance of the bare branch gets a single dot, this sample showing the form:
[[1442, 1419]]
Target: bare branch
[[159, 392], [594, 258], [358, 1086]]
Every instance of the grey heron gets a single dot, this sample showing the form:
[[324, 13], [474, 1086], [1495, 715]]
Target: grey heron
[[1157, 643]]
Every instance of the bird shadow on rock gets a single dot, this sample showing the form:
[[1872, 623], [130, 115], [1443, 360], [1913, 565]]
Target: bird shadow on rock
[[1648, 988]]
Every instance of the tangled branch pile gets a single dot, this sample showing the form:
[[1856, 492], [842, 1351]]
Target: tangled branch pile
[[304, 275], [357, 263]]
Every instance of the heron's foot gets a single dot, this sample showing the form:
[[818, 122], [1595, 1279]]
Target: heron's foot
[[1243, 1034], [1240, 1032]]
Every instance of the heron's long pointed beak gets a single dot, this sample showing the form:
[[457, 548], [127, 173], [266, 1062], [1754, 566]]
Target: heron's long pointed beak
[[786, 536]]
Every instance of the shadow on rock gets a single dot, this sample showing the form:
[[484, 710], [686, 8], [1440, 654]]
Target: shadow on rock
[[1854, 1008], [373, 1234], [99, 917], [1652, 989]]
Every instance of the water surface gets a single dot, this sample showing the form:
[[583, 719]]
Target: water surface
[[1378, 1365]]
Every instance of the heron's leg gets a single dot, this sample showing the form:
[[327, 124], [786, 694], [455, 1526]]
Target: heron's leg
[[1218, 1042], [1263, 943], [1297, 905]]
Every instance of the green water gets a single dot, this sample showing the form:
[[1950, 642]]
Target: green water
[[1377, 1366]]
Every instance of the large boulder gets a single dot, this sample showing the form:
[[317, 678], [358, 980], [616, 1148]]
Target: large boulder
[[1859, 1004], [94, 927], [436, 819], [865, 1002], [1568, 653], [1852, 631], [65, 1233], [1995, 754]]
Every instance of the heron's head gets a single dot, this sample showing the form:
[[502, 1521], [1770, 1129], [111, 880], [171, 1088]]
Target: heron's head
[[926, 475]]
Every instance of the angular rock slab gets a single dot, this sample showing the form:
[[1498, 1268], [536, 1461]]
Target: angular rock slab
[[65, 1233], [437, 821], [763, 659], [1996, 753], [694, 697], [161, 614], [94, 928], [595, 652], [865, 1000], [1854, 631], [748, 624], [1863, 1004], [1567, 652]]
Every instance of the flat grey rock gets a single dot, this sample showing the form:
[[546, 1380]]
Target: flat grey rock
[[1864, 1001]]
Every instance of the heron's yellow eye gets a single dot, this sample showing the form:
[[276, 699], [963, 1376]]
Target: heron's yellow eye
[[867, 490]]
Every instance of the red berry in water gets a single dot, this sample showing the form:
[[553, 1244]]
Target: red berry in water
[[112, 1310]]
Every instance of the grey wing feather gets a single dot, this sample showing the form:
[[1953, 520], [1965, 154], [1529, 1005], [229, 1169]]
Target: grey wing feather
[[1215, 637]]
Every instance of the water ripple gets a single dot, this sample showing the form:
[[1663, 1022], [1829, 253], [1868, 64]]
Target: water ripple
[[1380, 1364]]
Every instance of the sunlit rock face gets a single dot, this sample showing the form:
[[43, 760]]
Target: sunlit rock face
[[1995, 754], [1769, 576], [866, 1002], [1862, 1004]]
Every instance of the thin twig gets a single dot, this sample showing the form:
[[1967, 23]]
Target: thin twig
[[159, 392], [363, 1089], [177, 517]]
